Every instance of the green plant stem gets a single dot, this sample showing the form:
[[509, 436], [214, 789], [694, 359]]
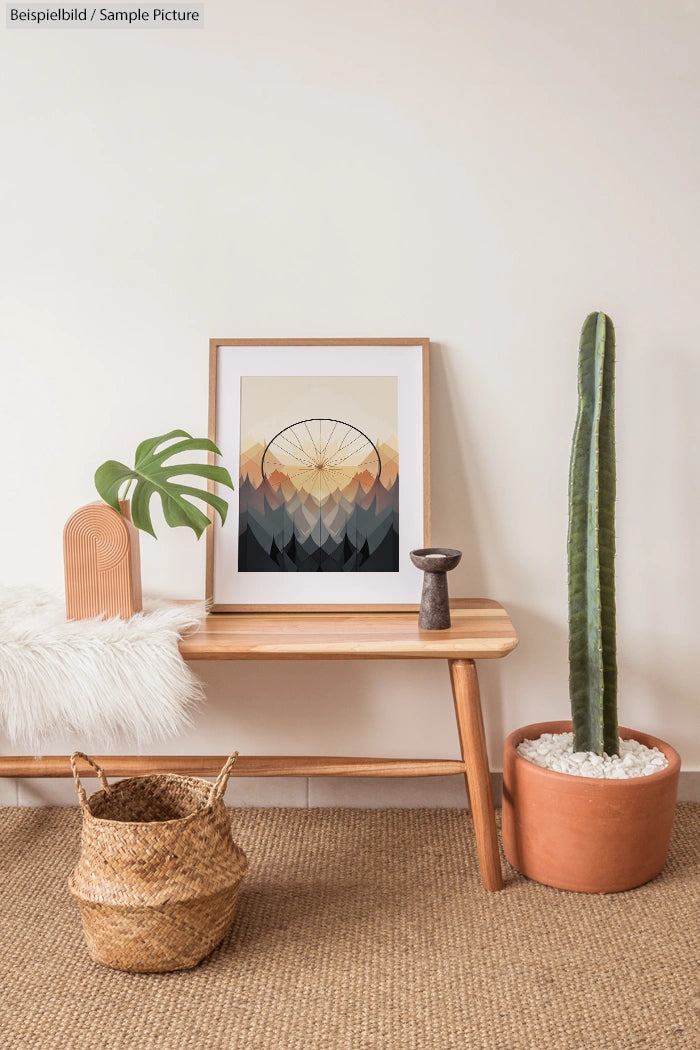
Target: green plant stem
[[591, 546]]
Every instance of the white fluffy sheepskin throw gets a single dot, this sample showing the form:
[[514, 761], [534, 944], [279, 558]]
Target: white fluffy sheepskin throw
[[98, 679]]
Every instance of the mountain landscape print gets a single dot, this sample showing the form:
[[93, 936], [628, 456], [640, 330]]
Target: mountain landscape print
[[319, 474]]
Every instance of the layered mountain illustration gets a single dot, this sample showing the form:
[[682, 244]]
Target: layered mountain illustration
[[319, 498]]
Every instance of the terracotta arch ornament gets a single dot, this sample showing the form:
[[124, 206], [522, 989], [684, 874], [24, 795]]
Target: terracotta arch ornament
[[102, 564]]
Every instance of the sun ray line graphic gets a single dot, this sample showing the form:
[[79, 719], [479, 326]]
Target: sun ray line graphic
[[347, 448], [297, 440], [313, 443], [344, 438], [364, 463], [328, 441], [292, 450], [302, 473]]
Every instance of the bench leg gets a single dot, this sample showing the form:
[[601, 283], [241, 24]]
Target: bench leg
[[472, 739]]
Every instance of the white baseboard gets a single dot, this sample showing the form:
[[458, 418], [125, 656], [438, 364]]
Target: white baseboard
[[344, 792]]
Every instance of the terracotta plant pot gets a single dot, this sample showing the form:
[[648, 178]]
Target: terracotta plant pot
[[582, 833]]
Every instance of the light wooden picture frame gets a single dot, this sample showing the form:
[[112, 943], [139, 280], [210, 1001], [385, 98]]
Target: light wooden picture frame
[[327, 441]]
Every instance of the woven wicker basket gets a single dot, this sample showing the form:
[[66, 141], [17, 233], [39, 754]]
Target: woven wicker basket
[[159, 872]]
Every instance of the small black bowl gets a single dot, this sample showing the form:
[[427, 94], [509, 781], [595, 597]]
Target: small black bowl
[[435, 559]]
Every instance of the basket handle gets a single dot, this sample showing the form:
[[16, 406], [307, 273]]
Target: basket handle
[[82, 797], [219, 785]]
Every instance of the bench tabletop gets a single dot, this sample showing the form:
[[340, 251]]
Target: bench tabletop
[[481, 629]]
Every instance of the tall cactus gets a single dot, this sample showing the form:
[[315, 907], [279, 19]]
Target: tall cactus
[[591, 545]]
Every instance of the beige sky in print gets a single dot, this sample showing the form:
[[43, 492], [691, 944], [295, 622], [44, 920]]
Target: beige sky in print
[[271, 403]]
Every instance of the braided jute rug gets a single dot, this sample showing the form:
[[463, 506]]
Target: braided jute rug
[[360, 929]]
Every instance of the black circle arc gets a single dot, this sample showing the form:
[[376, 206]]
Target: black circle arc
[[321, 419]]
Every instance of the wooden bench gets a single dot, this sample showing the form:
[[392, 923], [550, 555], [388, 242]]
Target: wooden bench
[[481, 630]]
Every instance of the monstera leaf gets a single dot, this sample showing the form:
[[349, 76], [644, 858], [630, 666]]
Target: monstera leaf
[[152, 475]]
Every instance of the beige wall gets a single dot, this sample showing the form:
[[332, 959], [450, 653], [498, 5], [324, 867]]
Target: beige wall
[[481, 174]]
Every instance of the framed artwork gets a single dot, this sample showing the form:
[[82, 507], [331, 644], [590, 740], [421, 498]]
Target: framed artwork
[[327, 443]]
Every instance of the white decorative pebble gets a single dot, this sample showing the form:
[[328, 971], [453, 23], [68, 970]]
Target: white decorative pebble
[[555, 751]]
